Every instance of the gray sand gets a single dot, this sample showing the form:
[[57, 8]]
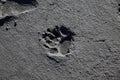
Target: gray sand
[[94, 52]]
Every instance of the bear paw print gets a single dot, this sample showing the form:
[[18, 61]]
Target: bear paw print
[[57, 41]]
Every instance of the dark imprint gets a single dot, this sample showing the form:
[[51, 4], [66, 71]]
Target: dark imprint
[[6, 19], [23, 2], [13, 8], [58, 40]]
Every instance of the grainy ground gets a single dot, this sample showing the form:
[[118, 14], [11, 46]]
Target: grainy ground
[[95, 51]]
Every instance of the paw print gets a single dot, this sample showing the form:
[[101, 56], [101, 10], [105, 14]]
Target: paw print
[[57, 41], [16, 7]]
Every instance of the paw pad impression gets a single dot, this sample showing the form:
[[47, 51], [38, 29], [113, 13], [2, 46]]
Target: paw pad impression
[[57, 41]]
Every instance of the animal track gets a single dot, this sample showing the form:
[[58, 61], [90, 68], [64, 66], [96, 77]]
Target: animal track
[[57, 41], [11, 8], [16, 7]]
